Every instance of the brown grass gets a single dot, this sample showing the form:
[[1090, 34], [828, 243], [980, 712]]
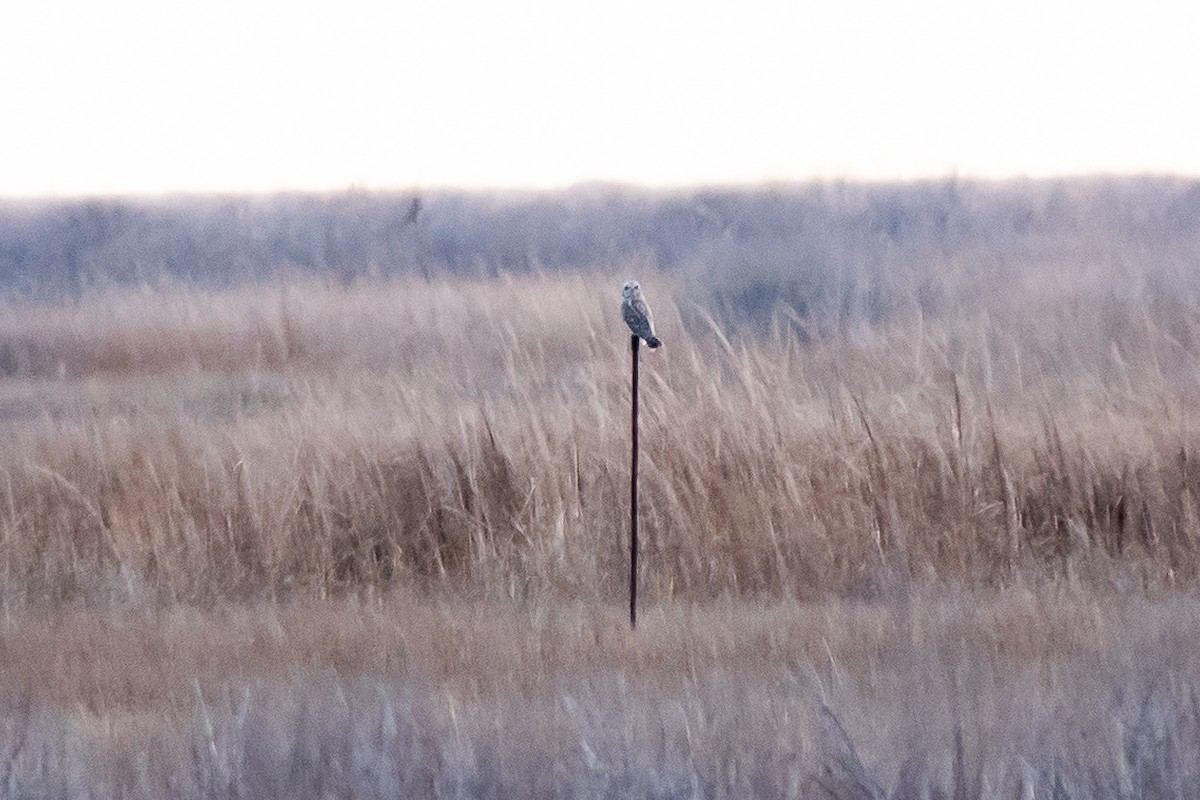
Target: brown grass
[[370, 541], [308, 441]]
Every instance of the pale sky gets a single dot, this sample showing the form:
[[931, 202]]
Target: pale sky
[[150, 96]]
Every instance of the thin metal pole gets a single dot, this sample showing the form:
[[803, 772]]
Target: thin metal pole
[[633, 507]]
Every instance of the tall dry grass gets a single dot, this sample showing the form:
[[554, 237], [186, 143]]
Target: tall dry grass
[[369, 541], [311, 440]]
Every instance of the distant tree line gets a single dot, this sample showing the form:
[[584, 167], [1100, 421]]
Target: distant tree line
[[832, 252]]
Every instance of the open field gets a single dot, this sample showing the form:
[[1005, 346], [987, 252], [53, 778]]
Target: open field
[[367, 538]]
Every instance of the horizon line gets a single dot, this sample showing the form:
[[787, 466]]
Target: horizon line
[[597, 183]]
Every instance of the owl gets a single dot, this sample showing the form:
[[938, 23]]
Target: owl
[[637, 314]]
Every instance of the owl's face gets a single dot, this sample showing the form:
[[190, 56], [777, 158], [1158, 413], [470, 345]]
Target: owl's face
[[630, 290]]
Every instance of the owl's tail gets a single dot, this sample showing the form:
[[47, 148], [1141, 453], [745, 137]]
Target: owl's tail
[[653, 342]]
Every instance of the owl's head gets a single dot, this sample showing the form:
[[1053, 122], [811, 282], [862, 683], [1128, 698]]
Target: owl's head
[[630, 290]]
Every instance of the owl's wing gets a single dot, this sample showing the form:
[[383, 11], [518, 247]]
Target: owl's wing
[[637, 317], [629, 313], [643, 310]]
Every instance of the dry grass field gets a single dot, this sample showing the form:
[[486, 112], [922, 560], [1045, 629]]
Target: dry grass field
[[370, 541]]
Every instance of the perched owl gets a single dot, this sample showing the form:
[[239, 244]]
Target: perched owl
[[637, 314]]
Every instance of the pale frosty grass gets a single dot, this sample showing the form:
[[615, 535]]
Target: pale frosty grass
[[987, 694]]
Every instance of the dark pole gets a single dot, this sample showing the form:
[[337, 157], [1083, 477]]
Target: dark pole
[[633, 514]]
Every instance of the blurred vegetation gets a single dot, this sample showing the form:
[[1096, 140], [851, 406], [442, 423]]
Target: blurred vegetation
[[824, 256]]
